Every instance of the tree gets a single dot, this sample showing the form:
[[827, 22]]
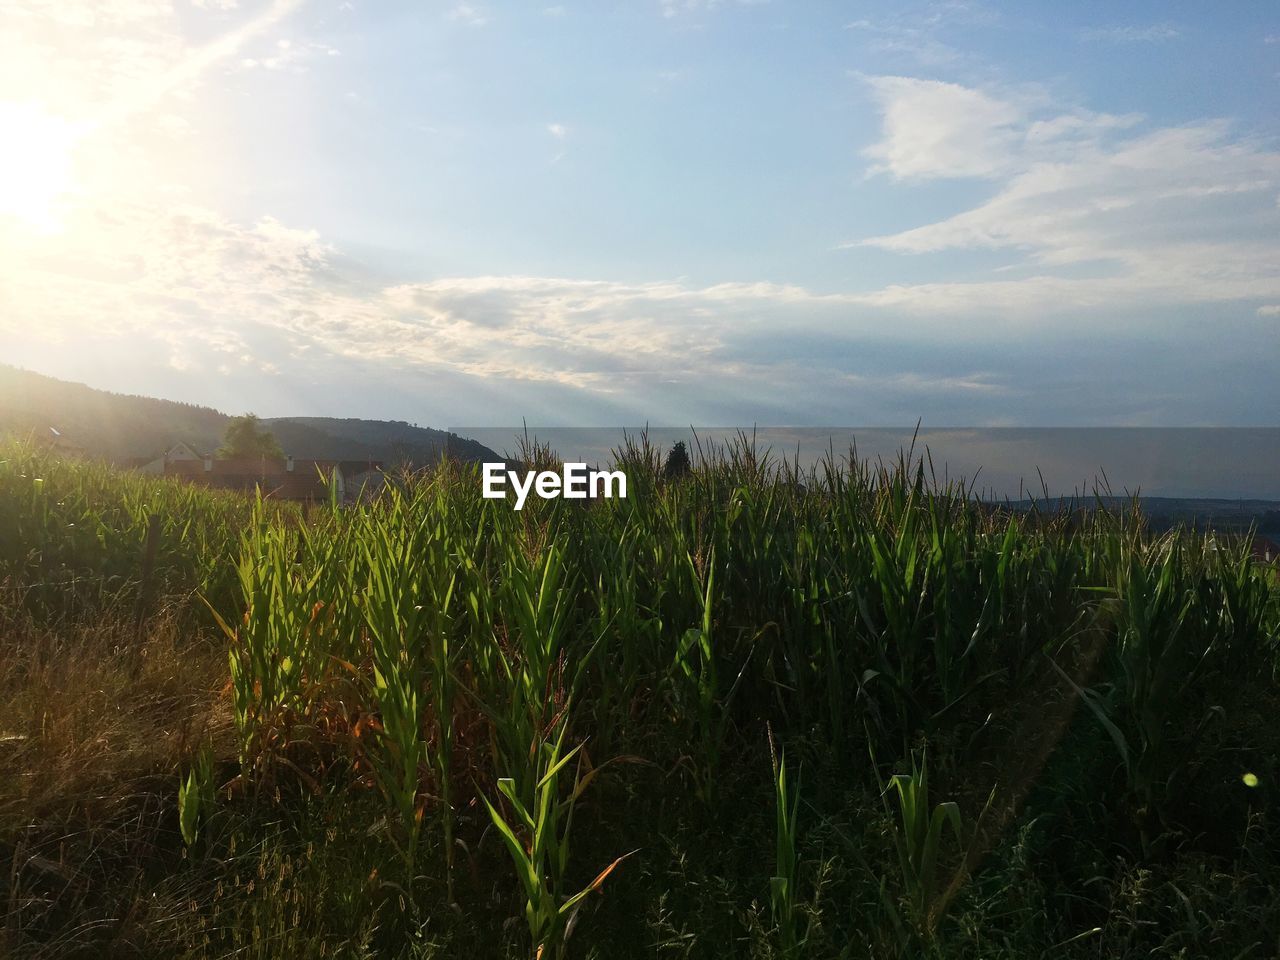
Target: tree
[[677, 464], [246, 438]]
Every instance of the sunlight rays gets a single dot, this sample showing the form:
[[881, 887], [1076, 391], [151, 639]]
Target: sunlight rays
[[39, 175]]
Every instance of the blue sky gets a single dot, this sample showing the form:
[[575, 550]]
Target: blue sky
[[674, 212]]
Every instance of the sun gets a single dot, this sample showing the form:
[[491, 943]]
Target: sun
[[36, 165]]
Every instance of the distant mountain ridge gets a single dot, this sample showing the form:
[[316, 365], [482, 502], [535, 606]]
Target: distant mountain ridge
[[124, 427]]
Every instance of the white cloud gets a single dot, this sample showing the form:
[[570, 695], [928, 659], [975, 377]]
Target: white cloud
[[208, 288], [559, 131], [1099, 210], [1093, 210], [925, 35], [199, 292], [80, 54], [1270, 310], [290, 55], [469, 14], [935, 129], [114, 62], [1131, 33], [675, 8]]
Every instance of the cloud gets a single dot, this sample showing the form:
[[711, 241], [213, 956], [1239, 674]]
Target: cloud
[[200, 292], [290, 55], [191, 64], [469, 14], [1106, 226], [558, 131], [924, 35], [935, 129], [1125, 34], [1096, 209], [205, 290], [102, 50], [112, 62], [675, 8], [1269, 310]]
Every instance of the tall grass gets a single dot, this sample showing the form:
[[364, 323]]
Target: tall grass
[[464, 672], [72, 534]]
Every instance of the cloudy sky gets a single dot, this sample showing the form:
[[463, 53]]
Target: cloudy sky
[[673, 211]]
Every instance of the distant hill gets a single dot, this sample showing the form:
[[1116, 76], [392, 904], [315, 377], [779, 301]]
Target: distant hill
[[392, 441], [122, 427]]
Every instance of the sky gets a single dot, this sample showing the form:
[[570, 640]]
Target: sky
[[663, 211]]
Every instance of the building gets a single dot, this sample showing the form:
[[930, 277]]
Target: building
[[56, 442], [363, 481], [287, 479], [179, 452], [1266, 550]]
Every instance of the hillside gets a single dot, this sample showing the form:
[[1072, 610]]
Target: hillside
[[122, 427], [388, 440]]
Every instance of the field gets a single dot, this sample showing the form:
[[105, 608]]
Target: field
[[740, 713]]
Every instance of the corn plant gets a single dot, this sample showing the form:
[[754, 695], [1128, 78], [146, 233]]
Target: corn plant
[[544, 819], [407, 603], [783, 886], [894, 611], [427, 643], [72, 534], [524, 687], [1181, 614], [196, 798], [696, 673], [918, 842], [280, 643]]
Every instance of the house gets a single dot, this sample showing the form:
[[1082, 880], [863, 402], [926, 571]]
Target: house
[[180, 451], [1266, 550], [55, 441], [287, 479], [364, 480]]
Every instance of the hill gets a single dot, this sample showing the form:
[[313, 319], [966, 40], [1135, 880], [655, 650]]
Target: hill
[[123, 427], [393, 441]]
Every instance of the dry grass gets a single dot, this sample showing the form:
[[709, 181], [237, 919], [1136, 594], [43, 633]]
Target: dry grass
[[97, 725]]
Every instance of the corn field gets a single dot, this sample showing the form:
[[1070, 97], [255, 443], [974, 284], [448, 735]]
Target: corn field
[[694, 722]]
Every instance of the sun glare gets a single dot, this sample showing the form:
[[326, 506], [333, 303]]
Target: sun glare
[[36, 172]]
